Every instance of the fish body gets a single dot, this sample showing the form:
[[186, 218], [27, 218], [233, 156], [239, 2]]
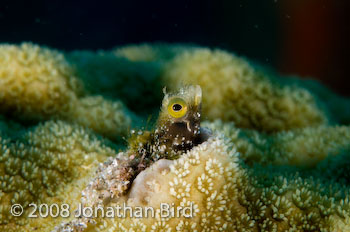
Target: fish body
[[178, 126], [177, 131]]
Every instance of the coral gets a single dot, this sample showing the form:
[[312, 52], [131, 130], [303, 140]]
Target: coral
[[227, 196], [165, 182], [277, 158], [298, 199], [173, 135], [49, 163], [335, 168], [250, 95], [304, 147], [338, 106], [150, 52], [101, 115], [236, 91], [37, 83]]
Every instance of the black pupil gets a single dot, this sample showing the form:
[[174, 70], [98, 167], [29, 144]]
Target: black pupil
[[177, 107]]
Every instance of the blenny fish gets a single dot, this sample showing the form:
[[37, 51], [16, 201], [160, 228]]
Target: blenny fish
[[177, 130]]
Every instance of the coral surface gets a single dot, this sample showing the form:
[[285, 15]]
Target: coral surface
[[38, 83], [49, 163], [304, 147], [235, 91], [223, 195], [277, 160]]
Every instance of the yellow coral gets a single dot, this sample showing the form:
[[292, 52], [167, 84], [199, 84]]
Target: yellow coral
[[225, 196], [49, 164], [209, 188], [149, 52], [246, 190], [35, 82], [304, 147], [248, 95], [39, 83], [137, 53], [235, 91], [101, 115]]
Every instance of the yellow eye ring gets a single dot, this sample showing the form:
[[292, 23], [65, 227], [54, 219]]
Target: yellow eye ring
[[177, 108]]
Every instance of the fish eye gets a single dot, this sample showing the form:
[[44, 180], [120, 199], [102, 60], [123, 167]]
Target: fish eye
[[177, 108]]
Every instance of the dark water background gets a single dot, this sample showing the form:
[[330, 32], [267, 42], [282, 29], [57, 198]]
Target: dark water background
[[302, 37]]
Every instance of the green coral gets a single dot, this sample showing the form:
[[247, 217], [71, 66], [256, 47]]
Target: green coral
[[118, 78]]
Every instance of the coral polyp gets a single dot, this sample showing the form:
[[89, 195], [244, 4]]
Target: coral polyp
[[236, 146]]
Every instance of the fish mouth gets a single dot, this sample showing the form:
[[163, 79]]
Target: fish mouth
[[204, 135]]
